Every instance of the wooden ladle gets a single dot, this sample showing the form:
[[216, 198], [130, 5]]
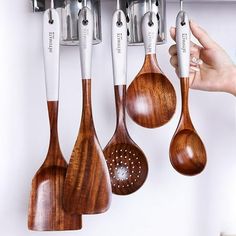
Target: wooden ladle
[[187, 151], [151, 98], [127, 163], [46, 211], [87, 188]]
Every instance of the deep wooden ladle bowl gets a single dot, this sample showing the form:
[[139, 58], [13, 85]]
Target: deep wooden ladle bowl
[[151, 98], [187, 151]]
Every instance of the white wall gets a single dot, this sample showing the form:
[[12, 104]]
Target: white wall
[[168, 204]]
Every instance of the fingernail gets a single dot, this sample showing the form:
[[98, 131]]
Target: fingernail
[[195, 68], [197, 61]]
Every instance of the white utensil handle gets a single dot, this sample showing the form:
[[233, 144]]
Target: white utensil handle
[[85, 27], [119, 47], [183, 43], [51, 48], [150, 32]]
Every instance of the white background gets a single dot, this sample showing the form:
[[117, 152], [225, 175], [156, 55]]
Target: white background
[[168, 204]]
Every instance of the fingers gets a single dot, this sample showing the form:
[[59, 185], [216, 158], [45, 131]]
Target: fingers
[[174, 61], [193, 49], [202, 36], [199, 33], [173, 33], [194, 62]]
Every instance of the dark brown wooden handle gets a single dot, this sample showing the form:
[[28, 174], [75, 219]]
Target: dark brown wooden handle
[[120, 99], [53, 118], [185, 116], [54, 155], [87, 116], [151, 64]]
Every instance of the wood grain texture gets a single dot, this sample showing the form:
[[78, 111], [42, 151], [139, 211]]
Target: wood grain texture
[[187, 151], [126, 162], [151, 98], [87, 188], [45, 209]]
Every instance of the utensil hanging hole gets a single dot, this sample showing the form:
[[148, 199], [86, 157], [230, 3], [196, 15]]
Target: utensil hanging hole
[[85, 22], [150, 23], [51, 22], [119, 24]]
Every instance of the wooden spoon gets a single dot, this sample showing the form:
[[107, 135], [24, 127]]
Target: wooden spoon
[[45, 209], [187, 152], [87, 188], [151, 98], [127, 163]]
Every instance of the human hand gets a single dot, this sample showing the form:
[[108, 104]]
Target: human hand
[[211, 69]]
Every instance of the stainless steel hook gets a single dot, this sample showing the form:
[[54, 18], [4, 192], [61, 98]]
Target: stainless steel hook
[[85, 18], [150, 17], [118, 4], [119, 21], [50, 12], [183, 22], [181, 5]]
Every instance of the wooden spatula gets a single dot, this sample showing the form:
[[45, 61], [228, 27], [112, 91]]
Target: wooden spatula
[[87, 186], [45, 209]]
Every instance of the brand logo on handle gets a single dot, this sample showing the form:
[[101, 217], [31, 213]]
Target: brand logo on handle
[[150, 37], [184, 43], [50, 43], [119, 40]]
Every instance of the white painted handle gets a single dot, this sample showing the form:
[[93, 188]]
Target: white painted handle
[[119, 47], [51, 46], [183, 43], [85, 27], [150, 32]]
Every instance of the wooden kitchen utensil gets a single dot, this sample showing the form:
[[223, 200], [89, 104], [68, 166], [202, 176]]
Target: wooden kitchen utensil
[[45, 209], [127, 163], [187, 152], [87, 188], [151, 98]]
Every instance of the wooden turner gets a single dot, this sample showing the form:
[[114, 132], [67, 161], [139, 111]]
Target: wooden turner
[[45, 209], [87, 186]]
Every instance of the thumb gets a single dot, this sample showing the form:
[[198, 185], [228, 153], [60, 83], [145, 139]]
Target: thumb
[[202, 36], [173, 33]]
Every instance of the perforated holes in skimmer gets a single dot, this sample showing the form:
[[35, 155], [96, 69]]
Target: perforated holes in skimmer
[[124, 166]]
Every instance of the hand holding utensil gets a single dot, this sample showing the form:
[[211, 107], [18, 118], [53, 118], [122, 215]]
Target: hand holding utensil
[[187, 151]]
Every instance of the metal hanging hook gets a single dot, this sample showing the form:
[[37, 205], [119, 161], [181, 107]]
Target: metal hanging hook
[[118, 4], [151, 14], [50, 12], [183, 22], [181, 5], [119, 22], [85, 20]]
